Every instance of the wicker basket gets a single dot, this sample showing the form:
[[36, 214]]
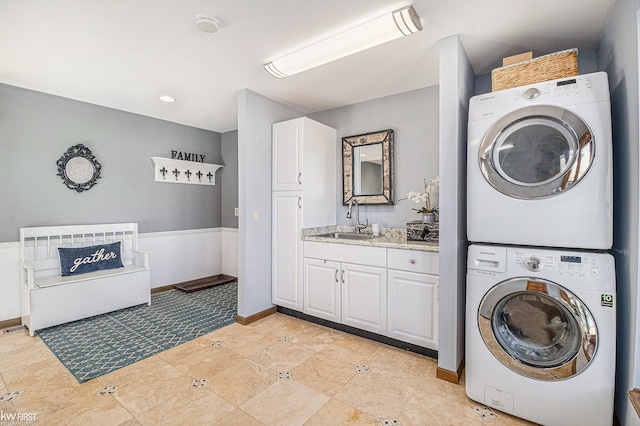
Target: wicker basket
[[548, 67]]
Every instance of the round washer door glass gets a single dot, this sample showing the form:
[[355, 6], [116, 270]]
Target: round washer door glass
[[537, 328], [537, 151]]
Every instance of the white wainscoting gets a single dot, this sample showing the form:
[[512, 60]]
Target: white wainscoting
[[176, 256], [9, 279], [230, 251]]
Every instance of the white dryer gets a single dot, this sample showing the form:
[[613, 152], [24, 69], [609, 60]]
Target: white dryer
[[541, 333], [539, 165]]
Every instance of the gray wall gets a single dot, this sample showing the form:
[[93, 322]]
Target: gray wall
[[618, 56], [456, 87], [36, 129], [256, 114], [413, 116], [229, 179]]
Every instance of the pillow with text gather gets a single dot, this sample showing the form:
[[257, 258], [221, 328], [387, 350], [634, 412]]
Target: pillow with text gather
[[80, 260]]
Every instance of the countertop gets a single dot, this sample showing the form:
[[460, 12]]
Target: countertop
[[390, 238]]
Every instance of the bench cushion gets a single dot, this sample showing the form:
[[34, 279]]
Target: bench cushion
[[81, 260], [56, 280]]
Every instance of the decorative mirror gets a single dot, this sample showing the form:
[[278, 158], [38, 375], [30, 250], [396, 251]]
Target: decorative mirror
[[367, 168], [78, 168]]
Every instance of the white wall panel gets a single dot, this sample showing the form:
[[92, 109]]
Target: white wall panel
[[176, 256]]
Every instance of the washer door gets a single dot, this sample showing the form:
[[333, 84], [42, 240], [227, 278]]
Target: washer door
[[537, 328], [537, 151]]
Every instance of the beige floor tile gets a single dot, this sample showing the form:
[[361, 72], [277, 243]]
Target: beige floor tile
[[316, 337], [250, 344], [25, 355], [238, 418], [19, 340], [377, 395], [49, 399], [193, 406], [279, 325], [242, 381], [153, 389], [49, 372], [208, 362], [130, 422], [285, 402], [230, 331], [182, 351], [7, 407], [352, 349], [407, 367], [105, 408], [132, 372], [324, 374], [282, 356], [336, 413], [242, 372], [425, 408]]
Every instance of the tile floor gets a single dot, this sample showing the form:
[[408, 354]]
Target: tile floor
[[276, 371]]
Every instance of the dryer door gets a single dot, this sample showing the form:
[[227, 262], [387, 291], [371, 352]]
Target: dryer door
[[537, 151], [537, 328]]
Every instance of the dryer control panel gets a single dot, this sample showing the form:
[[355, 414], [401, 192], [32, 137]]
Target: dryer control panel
[[580, 89]]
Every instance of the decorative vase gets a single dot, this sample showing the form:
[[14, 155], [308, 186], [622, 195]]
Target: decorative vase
[[428, 217]]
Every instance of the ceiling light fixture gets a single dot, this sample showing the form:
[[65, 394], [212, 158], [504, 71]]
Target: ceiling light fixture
[[401, 22], [167, 98], [206, 23]]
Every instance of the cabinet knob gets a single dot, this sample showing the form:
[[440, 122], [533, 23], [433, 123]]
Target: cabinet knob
[[412, 261], [300, 178]]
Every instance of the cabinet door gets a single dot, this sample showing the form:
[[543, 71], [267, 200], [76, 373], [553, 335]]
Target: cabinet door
[[322, 289], [413, 308], [287, 249], [287, 156], [364, 297]]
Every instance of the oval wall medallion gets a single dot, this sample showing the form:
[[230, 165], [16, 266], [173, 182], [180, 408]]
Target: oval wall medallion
[[79, 168]]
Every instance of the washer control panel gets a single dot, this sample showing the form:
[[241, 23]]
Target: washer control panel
[[571, 264]]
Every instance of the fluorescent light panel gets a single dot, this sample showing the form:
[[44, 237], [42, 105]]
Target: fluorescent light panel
[[393, 25]]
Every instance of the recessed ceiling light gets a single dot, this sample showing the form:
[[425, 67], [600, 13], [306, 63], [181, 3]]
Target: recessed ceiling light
[[167, 98]]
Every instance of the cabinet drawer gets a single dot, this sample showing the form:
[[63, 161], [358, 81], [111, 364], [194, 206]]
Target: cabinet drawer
[[361, 255], [413, 261]]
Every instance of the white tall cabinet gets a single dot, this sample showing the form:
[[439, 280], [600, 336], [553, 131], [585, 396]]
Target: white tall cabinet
[[303, 196]]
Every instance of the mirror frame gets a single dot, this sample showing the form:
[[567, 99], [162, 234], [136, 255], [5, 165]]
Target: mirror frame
[[81, 179], [384, 137]]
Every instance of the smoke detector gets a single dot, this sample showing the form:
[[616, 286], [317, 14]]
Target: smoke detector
[[206, 23]]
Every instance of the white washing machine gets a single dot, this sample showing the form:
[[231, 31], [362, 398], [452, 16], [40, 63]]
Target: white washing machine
[[541, 333], [539, 165]]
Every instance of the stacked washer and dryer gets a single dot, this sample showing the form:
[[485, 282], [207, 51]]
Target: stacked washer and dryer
[[541, 309]]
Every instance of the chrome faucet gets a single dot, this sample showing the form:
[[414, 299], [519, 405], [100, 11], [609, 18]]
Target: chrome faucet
[[359, 226]]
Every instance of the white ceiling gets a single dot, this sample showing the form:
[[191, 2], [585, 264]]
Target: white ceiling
[[123, 54]]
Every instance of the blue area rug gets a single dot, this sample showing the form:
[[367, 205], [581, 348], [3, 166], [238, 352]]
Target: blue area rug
[[98, 345]]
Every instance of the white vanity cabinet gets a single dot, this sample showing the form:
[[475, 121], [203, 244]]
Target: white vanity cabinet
[[412, 303], [391, 292], [346, 284], [322, 289], [303, 195]]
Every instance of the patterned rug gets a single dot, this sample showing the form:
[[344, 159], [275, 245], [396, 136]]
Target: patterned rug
[[98, 345]]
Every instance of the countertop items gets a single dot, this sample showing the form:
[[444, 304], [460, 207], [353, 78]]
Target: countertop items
[[389, 237]]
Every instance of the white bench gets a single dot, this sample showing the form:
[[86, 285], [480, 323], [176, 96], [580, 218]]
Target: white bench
[[48, 299]]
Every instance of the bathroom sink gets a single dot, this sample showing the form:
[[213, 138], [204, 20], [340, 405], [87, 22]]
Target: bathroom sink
[[348, 236]]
